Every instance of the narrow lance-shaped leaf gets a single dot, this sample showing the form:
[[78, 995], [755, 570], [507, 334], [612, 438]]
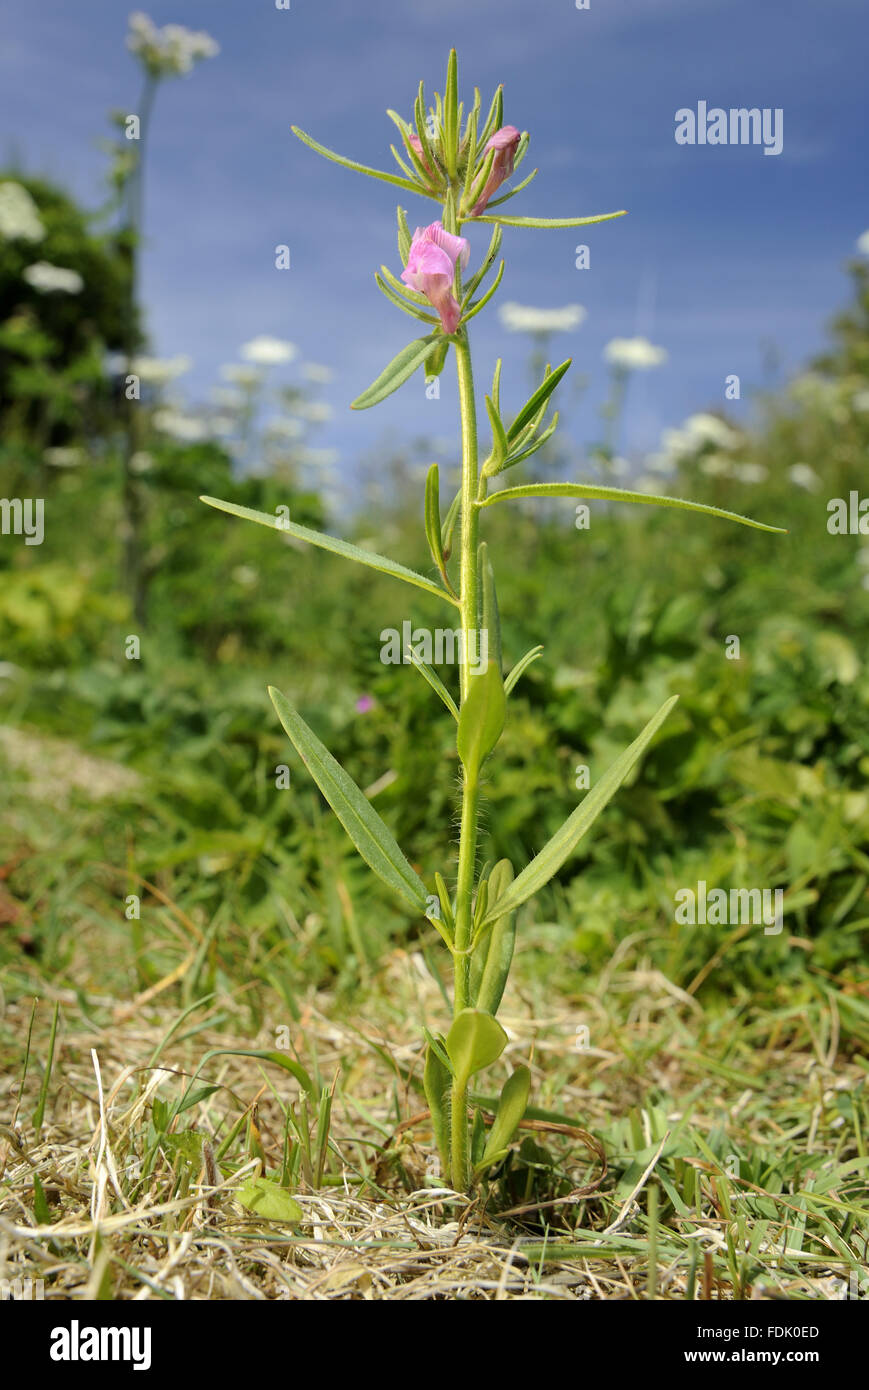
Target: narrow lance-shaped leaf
[[433, 522], [372, 838], [402, 366], [402, 302], [490, 617], [331, 543], [537, 399], [547, 222], [496, 202], [434, 680], [616, 494], [451, 114], [537, 443], [360, 168], [511, 1108], [493, 945], [436, 1084], [404, 237], [480, 304], [565, 840], [450, 524], [499, 437], [521, 666]]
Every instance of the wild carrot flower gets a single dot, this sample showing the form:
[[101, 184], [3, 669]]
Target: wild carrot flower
[[431, 269], [505, 143]]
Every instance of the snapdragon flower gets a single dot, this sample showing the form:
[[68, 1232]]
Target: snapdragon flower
[[431, 269]]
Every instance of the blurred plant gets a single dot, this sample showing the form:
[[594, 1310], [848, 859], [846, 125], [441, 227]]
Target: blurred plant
[[61, 306], [461, 169], [624, 357], [171, 51]]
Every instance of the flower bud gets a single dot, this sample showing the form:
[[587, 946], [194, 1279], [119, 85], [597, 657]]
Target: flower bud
[[505, 143]]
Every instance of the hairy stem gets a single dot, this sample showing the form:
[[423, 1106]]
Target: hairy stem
[[460, 1174]]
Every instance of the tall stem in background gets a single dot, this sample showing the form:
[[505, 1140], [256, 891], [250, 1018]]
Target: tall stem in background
[[132, 499]]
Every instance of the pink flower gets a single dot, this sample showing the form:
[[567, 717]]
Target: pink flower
[[504, 142], [364, 704], [431, 269]]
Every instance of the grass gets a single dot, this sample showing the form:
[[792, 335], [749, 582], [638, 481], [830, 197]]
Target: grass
[[734, 1142]]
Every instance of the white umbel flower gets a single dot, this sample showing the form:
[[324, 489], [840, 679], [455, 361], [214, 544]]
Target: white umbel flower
[[634, 354], [315, 371], [801, 475], [268, 352], [522, 318], [50, 279], [19, 215], [171, 51], [185, 428], [159, 371]]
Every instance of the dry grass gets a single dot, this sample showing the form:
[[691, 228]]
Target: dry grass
[[95, 1204]]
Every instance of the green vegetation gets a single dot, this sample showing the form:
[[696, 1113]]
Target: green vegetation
[[717, 1071]]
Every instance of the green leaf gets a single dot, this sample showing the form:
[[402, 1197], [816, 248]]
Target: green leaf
[[492, 957], [520, 668], [446, 905], [490, 616], [532, 448], [495, 118], [407, 184], [331, 543], [419, 113], [270, 1200], [404, 237], [402, 303], [616, 494], [546, 222], [505, 198], [451, 114], [486, 265], [474, 1041], [499, 437], [511, 1109], [481, 718], [432, 517], [434, 363], [436, 1084], [370, 835], [565, 840], [402, 366], [435, 682], [450, 524], [41, 1209], [478, 304], [278, 1059], [536, 400], [469, 144]]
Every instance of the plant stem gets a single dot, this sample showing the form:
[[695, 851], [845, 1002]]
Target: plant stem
[[460, 1168], [131, 496]]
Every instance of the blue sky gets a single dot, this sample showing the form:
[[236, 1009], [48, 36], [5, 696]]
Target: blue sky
[[725, 251]]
